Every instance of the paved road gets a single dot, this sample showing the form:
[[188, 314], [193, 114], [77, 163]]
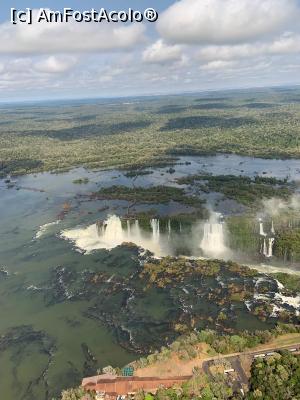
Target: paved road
[[254, 353], [235, 362], [237, 366]]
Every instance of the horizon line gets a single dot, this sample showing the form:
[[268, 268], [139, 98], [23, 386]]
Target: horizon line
[[183, 93]]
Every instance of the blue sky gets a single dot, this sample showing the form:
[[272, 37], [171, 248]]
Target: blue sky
[[195, 45]]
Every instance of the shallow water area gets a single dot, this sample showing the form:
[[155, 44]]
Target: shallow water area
[[45, 219]]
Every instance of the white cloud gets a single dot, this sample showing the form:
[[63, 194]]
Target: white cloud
[[205, 44], [225, 53], [108, 74], [226, 21], [286, 44], [217, 65], [160, 53], [54, 64], [71, 37]]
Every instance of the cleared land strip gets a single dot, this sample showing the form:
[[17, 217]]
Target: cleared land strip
[[119, 385]]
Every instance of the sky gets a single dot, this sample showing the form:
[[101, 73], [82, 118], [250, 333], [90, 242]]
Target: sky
[[195, 45]]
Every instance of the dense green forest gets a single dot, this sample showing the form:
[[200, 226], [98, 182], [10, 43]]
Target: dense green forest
[[243, 189], [155, 194], [275, 378], [148, 131]]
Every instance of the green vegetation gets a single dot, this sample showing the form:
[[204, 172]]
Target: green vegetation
[[76, 394], [199, 387], [143, 133], [23, 165], [275, 378], [185, 345], [172, 296], [206, 122], [269, 377], [155, 194], [290, 282], [287, 245], [135, 173], [243, 233], [170, 270], [179, 222], [243, 189], [81, 181]]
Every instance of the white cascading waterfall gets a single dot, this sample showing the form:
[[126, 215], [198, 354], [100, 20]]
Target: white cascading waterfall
[[267, 240], [272, 228], [265, 248], [169, 228], [270, 247], [100, 227], [137, 227], [112, 230], [213, 242], [128, 228], [111, 233], [261, 228], [155, 229]]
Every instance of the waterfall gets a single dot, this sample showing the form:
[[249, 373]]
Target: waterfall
[[268, 240], [128, 228], [111, 233], [162, 240], [272, 228], [213, 242], [112, 230], [100, 228], [261, 228], [265, 249], [155, 229], [270, 248], [137, 228]]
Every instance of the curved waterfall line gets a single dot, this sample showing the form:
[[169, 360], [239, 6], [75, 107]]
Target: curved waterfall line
[[164, 237]]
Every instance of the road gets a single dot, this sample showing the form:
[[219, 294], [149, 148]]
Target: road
[[239, 377], [120, 385]]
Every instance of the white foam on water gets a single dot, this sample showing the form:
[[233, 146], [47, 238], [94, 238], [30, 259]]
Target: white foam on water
[[293, 301], [272, 269], [111, 233], [276, 311], [43, 229], [280, 286]]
